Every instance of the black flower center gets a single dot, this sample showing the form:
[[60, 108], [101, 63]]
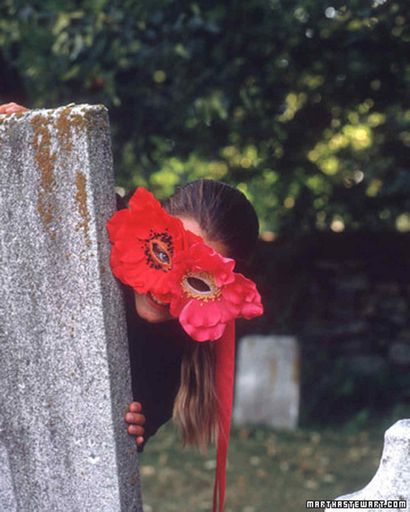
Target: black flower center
[[159, 250], [200, 285]]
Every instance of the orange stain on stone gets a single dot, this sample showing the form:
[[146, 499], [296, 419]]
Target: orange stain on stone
[[65, 123], [81, 199], [63, 130], [45, 160]]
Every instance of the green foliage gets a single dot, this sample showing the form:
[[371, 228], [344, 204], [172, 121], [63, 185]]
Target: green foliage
[[300, 104], [337, 390]]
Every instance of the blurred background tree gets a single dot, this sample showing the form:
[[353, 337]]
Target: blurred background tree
[[299, 104]]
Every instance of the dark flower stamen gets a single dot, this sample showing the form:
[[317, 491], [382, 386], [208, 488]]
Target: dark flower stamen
[[159, 250]]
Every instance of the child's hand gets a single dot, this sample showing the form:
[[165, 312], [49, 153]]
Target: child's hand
[[12, 108], [135, 420]]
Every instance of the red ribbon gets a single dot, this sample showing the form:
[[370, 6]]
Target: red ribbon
[[225, 371]]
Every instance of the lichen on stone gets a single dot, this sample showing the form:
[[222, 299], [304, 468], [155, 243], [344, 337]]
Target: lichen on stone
[[45, 160], [67, 122], [81, 199]]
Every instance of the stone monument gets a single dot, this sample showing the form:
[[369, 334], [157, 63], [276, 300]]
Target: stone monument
[[64, 374], [391, 483], [267, 382]]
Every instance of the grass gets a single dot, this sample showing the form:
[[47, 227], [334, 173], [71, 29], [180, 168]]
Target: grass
[[268, 471]]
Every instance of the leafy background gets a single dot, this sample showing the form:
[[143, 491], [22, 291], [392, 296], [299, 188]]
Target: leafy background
[[302, 105]]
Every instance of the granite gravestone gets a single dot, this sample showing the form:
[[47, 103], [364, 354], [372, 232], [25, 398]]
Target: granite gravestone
[[267, 382], [64, 374], [390, 486]]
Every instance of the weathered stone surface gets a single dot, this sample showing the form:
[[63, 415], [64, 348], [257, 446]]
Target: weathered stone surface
[[7, 498], [267, 381], [64, 374], [392, 479]]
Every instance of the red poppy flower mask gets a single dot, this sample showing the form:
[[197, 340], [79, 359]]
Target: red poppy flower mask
[[153, 253]]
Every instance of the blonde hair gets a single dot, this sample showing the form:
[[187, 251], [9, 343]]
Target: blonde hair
[[195, 406]]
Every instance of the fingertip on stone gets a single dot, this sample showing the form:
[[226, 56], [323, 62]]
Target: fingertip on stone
[[135, 407]]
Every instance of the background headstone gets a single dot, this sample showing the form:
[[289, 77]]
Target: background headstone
[[267, 381], [392, 479], [64, 374]]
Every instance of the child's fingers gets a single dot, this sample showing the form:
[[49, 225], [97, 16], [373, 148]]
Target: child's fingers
[[135, 430], [4, 107], [135, 407], [137, 419], [12, 108]]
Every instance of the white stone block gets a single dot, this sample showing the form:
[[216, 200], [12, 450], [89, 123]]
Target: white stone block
[[64, 374], [267, 382], [392, 479]]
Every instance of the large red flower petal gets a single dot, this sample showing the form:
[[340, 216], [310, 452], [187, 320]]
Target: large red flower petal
[[245, 296], [137, 233], [200, 313], [199, 257], [200, 322], [207, 333], [123, 225], [142, 200]]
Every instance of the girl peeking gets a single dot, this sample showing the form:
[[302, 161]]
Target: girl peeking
[[183, 283]]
